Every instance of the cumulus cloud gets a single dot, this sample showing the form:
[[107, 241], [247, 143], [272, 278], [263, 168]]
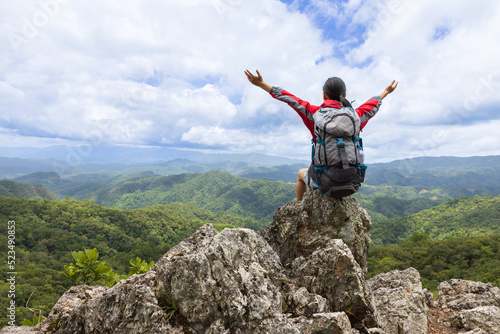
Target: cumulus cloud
[[272, 142], [171, 72]]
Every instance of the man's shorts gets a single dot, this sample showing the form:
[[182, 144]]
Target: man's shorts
[[309, 182]]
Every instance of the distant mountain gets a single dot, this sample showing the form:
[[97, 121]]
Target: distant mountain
[[12, 167], [10, 188], [215, 191], [98, 153], [468, 216], [382, 208], [285, 173], [63, 188], [461, 176], [442, 172], [437, 165], [222, 192]]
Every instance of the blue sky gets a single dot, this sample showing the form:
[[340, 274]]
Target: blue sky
[[170, 73]]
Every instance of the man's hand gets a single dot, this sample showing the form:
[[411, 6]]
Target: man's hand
[[257, 80], [389, 89]]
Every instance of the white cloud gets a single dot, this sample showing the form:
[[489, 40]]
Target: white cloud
[[83, 68], [171, 72], [290, 141]]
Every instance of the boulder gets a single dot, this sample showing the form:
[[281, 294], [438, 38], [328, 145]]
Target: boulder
[[302, 303], [470, 306], [400, 301], [466, 295], [211, 283], [129, 307], [331, 323], [333, 273], [485, 318], [233, 275], [299, 229]]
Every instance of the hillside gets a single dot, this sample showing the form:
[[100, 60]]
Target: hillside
[[470, 258], [440, 172], [221, 192], [47, 231], [438, 165], [472, 216], [386, 207], [385, 201], [215, 191], [61, 187], [10, 188], [12, 167]]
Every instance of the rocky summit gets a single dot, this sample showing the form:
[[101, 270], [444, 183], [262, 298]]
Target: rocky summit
[[299, 229], [304, 274]]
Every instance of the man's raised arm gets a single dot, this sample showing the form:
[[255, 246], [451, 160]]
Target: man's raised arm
[[389, 89], [257, 80]]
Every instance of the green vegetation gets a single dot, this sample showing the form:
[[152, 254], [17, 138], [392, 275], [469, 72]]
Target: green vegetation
[[139, 267], [471, 258], [472, 216], [215, 191], [63, 188], [170, 307], [48, 230], [382, 206], [441, 172], [10, 188], [222, 192], [87, 269], [403, 192]]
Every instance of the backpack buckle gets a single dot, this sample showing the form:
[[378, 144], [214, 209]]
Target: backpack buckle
[[340, 142]]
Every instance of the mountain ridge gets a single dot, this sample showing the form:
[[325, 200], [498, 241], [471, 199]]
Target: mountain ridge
[[468, 216]]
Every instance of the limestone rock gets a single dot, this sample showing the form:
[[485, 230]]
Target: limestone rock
[[331, 323], [299, 229], [400, 301], [486, 318], [429, 298], [466, 295], [333, 273], [303, 303], [233, 275], [130, 306]]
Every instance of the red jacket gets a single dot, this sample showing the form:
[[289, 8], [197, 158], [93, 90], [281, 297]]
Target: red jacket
[[305, 110]]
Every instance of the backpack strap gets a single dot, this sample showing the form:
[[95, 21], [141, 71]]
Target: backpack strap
[[343, 153], [313, 150], [324, 145], [316, 170]]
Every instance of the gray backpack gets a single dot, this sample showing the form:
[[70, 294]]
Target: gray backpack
[[337, 166]]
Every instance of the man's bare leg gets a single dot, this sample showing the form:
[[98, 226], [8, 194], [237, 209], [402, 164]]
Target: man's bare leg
[[301, 186]]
